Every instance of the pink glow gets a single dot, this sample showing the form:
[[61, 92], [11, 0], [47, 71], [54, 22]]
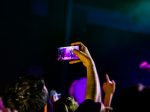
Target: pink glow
[[144, 65], [77, 90]]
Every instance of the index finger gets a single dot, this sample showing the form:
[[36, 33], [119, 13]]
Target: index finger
[[77, 43], [82, 46], [107, 78]]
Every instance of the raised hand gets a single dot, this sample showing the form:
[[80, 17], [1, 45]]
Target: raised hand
[[92, 84], [109, 86], [83, 54], [109, 89]]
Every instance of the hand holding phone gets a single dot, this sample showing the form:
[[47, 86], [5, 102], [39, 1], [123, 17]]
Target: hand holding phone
[[83, 55]]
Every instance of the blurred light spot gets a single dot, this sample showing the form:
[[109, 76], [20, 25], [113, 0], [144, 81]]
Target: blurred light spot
[[77, 90]]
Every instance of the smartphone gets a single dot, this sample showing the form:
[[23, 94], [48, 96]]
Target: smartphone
[[66, 53]]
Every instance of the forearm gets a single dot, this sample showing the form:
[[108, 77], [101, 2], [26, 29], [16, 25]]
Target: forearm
[[108, 99], [93, 84], [107, 102]]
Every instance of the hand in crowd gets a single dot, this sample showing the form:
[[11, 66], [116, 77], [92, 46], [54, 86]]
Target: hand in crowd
[[83, 55], [109, 89], [93, 90], [109, 86]]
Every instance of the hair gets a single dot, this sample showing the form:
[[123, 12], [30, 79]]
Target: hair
[[65, 104], [26, 95]]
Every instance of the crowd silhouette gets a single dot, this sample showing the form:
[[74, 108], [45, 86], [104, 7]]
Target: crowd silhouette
[[30, 94]]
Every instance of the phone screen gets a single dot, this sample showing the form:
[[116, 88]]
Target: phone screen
[[66, 53]]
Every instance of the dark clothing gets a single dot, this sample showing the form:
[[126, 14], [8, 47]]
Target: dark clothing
[[89, 106]]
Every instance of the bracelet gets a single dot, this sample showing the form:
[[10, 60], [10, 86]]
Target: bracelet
[[108, 108]]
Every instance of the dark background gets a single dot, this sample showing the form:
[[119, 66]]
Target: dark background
[[116, 33]]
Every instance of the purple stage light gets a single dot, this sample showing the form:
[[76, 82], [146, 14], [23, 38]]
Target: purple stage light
[[77, 89]]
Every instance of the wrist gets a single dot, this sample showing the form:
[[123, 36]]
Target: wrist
[[108, 109], [91, 64], [109, 94]]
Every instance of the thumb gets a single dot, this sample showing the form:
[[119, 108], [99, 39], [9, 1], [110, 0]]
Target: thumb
[[113, 82], [76, 52]]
